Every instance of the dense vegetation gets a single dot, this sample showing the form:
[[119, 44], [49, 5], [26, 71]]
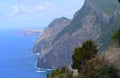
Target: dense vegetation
[[61, 73], [116, 36], [88, 64], [84, 53]]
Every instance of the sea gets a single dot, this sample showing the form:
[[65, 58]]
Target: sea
[[16, 57]]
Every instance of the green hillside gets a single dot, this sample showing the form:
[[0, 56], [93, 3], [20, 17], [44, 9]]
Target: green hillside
[[106, 35], [108, 6]]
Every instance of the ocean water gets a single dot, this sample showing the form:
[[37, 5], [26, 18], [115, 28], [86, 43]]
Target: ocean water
[[16, 58]]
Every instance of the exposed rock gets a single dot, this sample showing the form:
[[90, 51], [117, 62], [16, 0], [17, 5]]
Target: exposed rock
[[90, 22], [49, 34]]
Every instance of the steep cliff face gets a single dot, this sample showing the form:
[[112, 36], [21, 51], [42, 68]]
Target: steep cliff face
[[49, 34], [90, 22]]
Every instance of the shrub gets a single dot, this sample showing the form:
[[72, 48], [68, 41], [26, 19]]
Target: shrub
[[84, 53], [116, 36], [109, 72], [61, 73], [97, 68]]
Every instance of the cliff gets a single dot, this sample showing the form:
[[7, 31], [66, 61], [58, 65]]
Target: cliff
[[30, 32], [49, 34], [97, 20]]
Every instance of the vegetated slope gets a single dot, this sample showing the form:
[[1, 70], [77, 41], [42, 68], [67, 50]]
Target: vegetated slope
[[108, 6], [112, 55], [93, 21]]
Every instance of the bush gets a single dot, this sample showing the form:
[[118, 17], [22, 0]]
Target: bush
[[116, 36], [109, 72], [84, 53], [61, 73], [91, 66], [98, 68]]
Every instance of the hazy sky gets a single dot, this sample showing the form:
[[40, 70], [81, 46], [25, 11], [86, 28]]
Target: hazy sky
[[30, 13]]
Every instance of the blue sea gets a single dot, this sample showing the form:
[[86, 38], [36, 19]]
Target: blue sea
[[16, 58]]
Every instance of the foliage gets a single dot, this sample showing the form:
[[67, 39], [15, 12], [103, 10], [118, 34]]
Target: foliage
[[84, 53], [88, 64], [61, 73], [93, 68], [98, 68], [119, 1], [109, 72], [116, 36]]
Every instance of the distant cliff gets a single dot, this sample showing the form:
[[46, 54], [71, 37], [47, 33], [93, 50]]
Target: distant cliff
[[29, 32], [97, 20], [50, 32]]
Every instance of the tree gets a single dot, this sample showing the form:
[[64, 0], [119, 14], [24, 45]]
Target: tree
[[84, 53], [119, 1]]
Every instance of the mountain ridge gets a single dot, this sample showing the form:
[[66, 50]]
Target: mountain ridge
[[50, 32], [90, 22]]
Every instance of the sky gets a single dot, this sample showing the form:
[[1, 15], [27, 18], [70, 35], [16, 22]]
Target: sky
[[35, 13]]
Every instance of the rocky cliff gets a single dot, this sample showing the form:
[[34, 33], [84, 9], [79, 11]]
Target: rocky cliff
[[30, 32], [50, 32], [97, 20]]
